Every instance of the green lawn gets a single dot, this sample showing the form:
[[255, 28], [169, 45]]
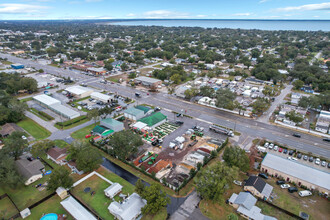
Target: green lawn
[[34, 129], [268, 210], [61, 144], [51, 205], [81, 133], [25, 196], [99, 202], [72, 125], [26, 99], [162, 215], [7, 209], [36, 112]]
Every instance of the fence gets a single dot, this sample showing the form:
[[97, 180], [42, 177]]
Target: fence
[[18, 212], [280, 209]]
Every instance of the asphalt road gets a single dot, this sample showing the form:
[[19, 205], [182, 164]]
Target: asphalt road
[[256, 129]]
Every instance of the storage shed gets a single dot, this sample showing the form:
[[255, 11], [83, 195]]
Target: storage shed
[[112, 124], [113, 190]]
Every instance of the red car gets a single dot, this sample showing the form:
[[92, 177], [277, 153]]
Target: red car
[[280, 150], [88, 136]]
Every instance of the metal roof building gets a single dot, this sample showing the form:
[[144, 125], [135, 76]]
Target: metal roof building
[[101, 97], [297, 172], [76, 209], [133, 113], [112, 124], [147, 81], [79, 91], [56, 106], [154, 119]]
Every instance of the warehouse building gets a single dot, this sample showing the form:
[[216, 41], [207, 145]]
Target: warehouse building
[[147, 81], [79, 92], [133, 113], [102, 97], [17, 66], [294, 171], [112, 124], [56, 106]]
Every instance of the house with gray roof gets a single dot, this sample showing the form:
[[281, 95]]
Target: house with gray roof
[[130, 209], [258, 187], [244, 203], [112, 124], [31, 170], [134, 113]]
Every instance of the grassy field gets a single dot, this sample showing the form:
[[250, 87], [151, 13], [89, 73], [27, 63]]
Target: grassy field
[[26, 99], [61, 143], [162, 215], [268, 210], [52, 205], [80, 134], [24, 196], [34, 129], [72, 125], [43, 117], [7, 209], [99, 202]]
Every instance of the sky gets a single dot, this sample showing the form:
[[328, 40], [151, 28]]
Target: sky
[[163, 9]]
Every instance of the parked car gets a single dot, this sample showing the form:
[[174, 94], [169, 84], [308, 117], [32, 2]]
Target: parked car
[[285, 151], [179, 115], [317, 161], [88, 136], [299, 156], [323, 163], [271, 146], [263, 175], [73, 105], [266, 145], [179, 122], [275, 148], [239, 183], [292, 189], [305, 157], [291, 152], [328, 165], [311, 159], [285, 186], [296, 135], [90, 99], [280, 150], [326, 139], [305, 193], [157, 109], [23, 137], [280, 182]]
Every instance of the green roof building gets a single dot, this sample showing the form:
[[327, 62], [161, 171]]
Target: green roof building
[[143, 108], [134, 113], [154, 119]]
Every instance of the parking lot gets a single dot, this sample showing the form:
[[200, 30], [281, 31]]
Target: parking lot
[[304, 159]]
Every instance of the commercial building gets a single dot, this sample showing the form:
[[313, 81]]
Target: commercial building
[[112, 124], [294, 171], [130, 209], [133, 113], [258, 187], [244, 203], [31, 170], [96, 71], [154, 119], [147, 81], [17, 66], [56, 106], [76, 210], [323, 122], [79, 92], [102, 97]]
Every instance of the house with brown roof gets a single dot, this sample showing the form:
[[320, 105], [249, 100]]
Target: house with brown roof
[[30, 169], [9, 128], [57, 155]]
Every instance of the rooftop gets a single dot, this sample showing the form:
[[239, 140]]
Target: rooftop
[[111, 121], [298, 170], [46, 100], [147, 79], [55, 152], [77, 90], [133, 111], [29, 168], [76, 209], [143, 108], [153, 119]]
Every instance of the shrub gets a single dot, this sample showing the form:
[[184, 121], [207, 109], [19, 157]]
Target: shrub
[[72, 121]]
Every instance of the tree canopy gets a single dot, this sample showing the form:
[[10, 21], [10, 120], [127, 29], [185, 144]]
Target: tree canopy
[[9, 175], [156, 199], [60, 178], [225, 98], [236, 156], [15, 144]]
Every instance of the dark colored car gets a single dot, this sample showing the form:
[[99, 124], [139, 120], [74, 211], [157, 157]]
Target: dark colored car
[[291, 152], [299, 156], [285, 151], [305, 157], [311, 159], [179, 115], [296, 135], [157, 109], [179, 122], [292, 189], [263, 175], [326, 139], [328, 165], [280, 182]]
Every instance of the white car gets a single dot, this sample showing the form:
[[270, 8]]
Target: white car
[[275, 148], [317, 161], [323, 163], [305, 193], [271, 146], [24, 138], [285, 186], [266, 145], [239, 183]]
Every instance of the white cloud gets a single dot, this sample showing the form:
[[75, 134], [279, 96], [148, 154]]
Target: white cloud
[[165, 14], [21, 8], [201, 16], [263, 1], [243, 14], [131, 15], [310, 7], [93, 0]]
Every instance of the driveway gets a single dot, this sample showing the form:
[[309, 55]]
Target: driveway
[[47, 125]]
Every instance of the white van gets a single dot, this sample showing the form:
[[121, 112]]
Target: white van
[[305, 193]]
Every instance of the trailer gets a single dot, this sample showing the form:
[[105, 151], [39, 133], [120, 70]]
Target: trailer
[[221, 130]]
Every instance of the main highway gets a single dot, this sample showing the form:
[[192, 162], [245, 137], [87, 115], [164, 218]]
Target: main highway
[[256, 129]]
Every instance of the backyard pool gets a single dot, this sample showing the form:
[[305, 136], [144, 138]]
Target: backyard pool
[[50, 216]]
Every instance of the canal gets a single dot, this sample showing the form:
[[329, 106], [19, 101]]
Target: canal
[[131, 178]]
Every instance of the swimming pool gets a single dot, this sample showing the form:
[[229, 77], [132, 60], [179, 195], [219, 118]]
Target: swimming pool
[[50, 216]]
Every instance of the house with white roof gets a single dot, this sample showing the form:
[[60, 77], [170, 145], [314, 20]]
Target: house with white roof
[[76, 210], [113, 190]]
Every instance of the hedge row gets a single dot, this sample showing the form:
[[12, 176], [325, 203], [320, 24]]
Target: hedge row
[[72, 121], [50, 118]]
